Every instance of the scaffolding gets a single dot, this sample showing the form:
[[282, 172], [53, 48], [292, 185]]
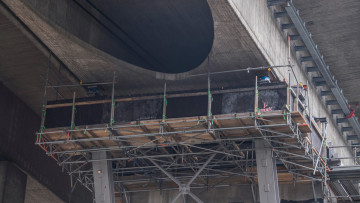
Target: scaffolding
[[206, 151], [185, 153]]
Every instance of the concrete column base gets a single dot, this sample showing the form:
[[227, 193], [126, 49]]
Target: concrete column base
[[267, 172], [103, 178]]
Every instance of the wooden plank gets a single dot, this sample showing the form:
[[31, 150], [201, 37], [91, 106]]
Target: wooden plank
[[297, 117], [179, 124]]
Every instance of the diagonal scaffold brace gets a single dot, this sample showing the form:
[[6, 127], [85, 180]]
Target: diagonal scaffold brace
[[184, 189]]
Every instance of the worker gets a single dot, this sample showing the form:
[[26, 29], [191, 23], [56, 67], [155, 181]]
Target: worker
[[265, 79], [305, 87], [352, 112]]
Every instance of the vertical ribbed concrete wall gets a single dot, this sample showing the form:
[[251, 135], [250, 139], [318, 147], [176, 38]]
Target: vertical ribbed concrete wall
[[272, 42], [12, 183], [18, 125]]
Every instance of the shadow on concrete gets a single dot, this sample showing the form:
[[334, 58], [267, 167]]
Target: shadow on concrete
[[165, 36]]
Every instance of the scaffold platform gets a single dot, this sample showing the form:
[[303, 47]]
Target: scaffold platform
[[189, 130], [182, 144], [216, 143]]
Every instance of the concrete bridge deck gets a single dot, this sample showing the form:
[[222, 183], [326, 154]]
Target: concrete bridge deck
[[198, 36]]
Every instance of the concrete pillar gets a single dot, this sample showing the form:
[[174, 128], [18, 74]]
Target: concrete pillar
[[12, 183], [103, 178], [267, 173]]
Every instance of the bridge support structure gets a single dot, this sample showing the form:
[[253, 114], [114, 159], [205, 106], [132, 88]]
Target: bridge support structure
[[267, 172], [103, 178]]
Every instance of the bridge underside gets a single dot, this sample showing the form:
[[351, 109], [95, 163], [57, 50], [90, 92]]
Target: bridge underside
[[145, 45]]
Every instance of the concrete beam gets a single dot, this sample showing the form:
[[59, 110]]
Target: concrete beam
[[312, 69], [325, 93], [266, 171], [300, 48], [306, 58], [103, 178], [331, 102], [318, 79], [341, 120], [276, 2], [351, 137], [287, 26], [337, 111], [294, 37], [320, 63], [320, 83], [346, 129], [280, 14]]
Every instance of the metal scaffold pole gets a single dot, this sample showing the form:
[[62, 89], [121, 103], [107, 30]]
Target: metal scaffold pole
[[43, 111], [112, 113], [164, 105], [73, 111], [210, 98], [256, 100]]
